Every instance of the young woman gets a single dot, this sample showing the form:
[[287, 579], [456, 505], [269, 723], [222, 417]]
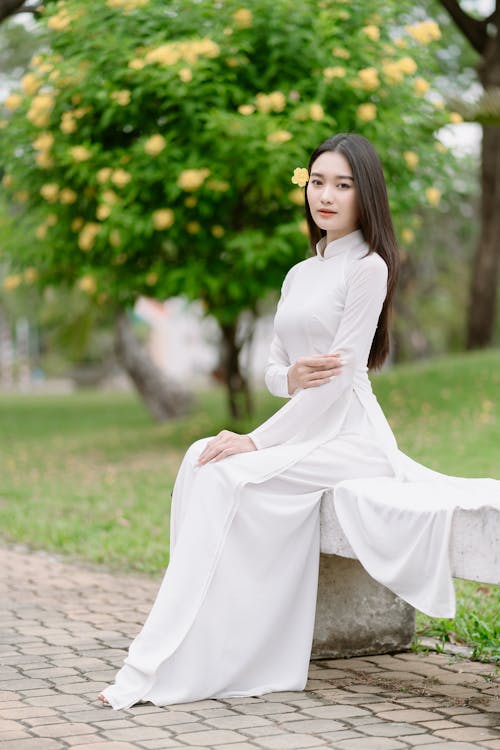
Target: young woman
[[235, 612]]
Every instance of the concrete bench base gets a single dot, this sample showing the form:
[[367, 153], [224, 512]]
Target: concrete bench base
[[356, 615]]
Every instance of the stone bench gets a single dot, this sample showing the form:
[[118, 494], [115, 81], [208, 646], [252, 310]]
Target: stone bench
[[356, 615]]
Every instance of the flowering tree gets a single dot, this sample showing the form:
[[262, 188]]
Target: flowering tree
[[150, 149]]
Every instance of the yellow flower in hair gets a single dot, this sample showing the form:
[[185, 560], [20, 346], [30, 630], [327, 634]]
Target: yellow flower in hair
[[300, 176]]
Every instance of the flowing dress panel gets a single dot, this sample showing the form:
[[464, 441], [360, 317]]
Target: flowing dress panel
[[235, 612]]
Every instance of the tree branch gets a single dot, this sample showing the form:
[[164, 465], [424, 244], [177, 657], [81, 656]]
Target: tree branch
[[10, 8], [473, 29]]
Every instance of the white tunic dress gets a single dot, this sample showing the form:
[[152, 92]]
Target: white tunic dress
[[234, 615]]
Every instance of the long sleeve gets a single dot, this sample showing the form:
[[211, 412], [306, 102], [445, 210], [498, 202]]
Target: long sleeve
[[276, 371], [366, 290]]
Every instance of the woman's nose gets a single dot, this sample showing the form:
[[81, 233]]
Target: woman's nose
[[327, 195]]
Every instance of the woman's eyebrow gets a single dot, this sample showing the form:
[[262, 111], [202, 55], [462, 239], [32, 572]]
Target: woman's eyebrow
[[337, 176]]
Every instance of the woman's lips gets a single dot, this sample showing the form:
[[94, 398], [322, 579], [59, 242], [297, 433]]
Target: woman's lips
[[324, 212]]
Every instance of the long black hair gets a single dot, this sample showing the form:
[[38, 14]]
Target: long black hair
[[374, 218]]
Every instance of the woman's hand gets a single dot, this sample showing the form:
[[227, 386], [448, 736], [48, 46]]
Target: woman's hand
[[225, 444], [309, 372]]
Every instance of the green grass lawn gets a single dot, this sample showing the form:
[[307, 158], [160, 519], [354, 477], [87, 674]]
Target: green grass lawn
[[90, 474]]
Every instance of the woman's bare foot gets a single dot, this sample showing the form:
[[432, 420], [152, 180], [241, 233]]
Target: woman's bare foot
[[103, 699]]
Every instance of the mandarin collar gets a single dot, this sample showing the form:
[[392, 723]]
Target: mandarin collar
[[325, 251]]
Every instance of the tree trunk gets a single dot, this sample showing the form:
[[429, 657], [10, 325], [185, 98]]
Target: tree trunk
[[483, 292], [239, 394], [162, 396], [484, 282]]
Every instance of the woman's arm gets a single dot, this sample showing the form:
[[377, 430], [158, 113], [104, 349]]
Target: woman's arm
[[366, 291], [276, 371]]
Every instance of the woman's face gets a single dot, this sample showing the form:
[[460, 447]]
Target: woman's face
[[332, 195]]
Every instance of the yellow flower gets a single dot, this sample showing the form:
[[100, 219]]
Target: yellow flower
[[411, 159], [407, 65], [336, 71], [39, 111], [246, 109], [50, 192], [340, 52], [163, 218], [151, 278], [407, 235], [87, 284], [30, 275], [424, 32], [193, 227], [300, 176], [192, 179], [109, 196], [420, 86], [455, 118], [41, 231], [218, 231], [51, 220], [115, 238], [136, 64], [68, 123], [316, 111], [13, 101], [68, 196], [80, 153], [44, 160], [392, 71], [43, 142], [186, 75], [191, 201], [440, 147], [368, 79], [7, 180], [273, 102], [218, 186], [279, 136], [60, 21], [103, 211], [77, 224], [243, 18], [372, 32], [154, 145], [104, 174], [433, 195], [11, 282], [121, 97], [87, 236], [366, 112], [120, 177], [30, 84], [297, 197]]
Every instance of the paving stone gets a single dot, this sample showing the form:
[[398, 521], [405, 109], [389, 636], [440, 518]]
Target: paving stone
[[380, 743], [166, 718], [238, 722], [417, 740], [407, 715], [290, 741], [335, 712], [470, 734], [104, 745], [63, 729], [34, 743], [390, 729], [451, 746], [213, 737]]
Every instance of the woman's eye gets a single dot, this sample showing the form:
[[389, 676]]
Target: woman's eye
[[315, 182], [344, 185]]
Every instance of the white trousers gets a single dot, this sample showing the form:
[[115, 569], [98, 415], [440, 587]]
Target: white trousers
[[235, 612]]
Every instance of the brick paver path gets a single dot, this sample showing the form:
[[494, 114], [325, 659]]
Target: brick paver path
[[64, 633]]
